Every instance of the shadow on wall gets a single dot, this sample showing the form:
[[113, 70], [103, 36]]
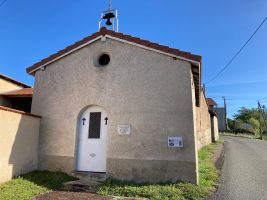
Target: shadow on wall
[[19, 135]]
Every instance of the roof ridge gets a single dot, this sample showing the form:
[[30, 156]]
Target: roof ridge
[[104, 31], [195, 60]]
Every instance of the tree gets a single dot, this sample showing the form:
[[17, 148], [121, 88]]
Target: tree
[[255, 123], [245, 114], [250, 116], [231, 124]]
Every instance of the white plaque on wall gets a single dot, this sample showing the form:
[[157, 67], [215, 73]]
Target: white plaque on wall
[[124, 129], [175, 142]]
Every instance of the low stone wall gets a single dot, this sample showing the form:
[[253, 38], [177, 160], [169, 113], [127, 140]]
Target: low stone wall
[[19, 135]]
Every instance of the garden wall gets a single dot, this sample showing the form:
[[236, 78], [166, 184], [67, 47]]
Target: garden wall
[[19, 135], [203, 123]]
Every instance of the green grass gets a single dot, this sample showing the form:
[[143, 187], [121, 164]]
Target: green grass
[[39, 182], [242, 135], [32, 184], [208, 176]]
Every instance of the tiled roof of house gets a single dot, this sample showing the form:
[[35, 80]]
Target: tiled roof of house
[[14, 81], [211, 102], [195, 60], [26, 92]]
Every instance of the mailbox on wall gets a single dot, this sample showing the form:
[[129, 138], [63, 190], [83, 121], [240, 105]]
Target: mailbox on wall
[[175, 142]]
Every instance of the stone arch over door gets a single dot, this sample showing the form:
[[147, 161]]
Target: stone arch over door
[[91, 139]]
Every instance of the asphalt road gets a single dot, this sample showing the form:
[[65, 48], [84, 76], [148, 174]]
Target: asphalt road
[[244, 172]]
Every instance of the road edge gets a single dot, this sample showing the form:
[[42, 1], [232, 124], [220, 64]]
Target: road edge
[[218, 156]]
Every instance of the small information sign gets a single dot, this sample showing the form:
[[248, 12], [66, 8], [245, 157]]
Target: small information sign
[[124, 129], [175, 142]]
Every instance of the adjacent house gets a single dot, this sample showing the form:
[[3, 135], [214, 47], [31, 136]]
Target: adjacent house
[[221, 114], [14, 94]]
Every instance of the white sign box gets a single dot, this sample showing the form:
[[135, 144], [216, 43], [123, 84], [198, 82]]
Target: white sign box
[[124, 129], [175, 142]]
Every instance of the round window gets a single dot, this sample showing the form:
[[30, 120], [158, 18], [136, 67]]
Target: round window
[[103, 60]]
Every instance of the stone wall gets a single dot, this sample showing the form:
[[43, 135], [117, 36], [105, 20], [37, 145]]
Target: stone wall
[[203, 122]]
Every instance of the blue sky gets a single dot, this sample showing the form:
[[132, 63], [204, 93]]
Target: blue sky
[[31, 30]]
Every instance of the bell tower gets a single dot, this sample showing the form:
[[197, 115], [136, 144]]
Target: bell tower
[[111, 17]]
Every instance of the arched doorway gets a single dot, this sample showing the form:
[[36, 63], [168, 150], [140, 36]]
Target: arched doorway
[[92, 140]]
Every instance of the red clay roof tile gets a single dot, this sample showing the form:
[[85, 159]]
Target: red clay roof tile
[[211, 102], [25, 92], [18, 111], [104, 31]]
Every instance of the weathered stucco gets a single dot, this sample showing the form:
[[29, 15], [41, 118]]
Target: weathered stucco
[[18, 144], [149, 91], [203, 122]]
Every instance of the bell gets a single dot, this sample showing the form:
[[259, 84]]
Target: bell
[[109, 15], [109, 23]]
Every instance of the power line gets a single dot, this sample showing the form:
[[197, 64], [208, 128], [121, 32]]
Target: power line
[[237, 83], [239, 51], [3, 2]]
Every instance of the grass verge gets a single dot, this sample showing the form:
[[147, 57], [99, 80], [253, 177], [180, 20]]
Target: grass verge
[[32, 184], [208, 176], [242, 135]]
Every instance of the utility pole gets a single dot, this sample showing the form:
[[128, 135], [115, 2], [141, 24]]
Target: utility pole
[[225, 113], [259, 110]]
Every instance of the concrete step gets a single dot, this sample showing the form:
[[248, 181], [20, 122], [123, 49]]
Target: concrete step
[[88, 181], [90, 175]]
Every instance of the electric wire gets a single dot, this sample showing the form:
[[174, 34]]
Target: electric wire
[[236, 54]]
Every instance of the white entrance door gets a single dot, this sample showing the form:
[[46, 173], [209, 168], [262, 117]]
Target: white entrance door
[[92, 140]]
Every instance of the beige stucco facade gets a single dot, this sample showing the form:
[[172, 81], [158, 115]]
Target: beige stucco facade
[[150, 91], [6, 86], [18, 144]]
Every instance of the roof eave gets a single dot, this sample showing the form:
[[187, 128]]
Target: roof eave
[[186, 56]]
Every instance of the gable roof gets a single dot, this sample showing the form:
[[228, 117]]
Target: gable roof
[[195, 60], [211, 102], [14, 81]]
